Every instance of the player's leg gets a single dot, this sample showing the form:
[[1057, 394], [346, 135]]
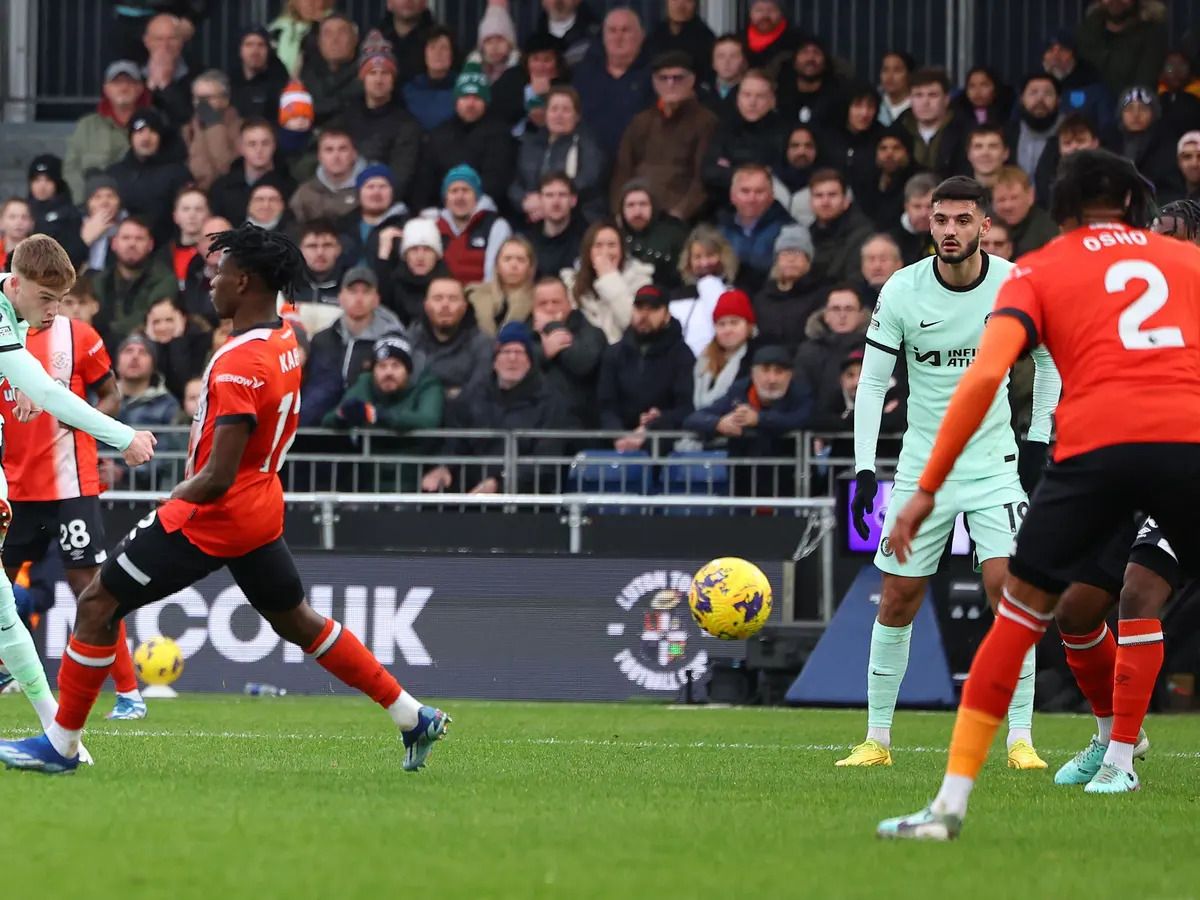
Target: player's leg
[[81, 544], [269, 579], [902, 590], [995, 508]]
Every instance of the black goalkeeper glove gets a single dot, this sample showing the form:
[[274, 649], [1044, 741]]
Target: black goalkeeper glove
[[865, 488], [1031, 462]]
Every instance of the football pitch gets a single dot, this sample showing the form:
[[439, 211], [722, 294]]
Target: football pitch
[[295, 797]]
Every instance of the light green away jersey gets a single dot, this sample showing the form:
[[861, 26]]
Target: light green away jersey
[[13, 329], [938, 328]]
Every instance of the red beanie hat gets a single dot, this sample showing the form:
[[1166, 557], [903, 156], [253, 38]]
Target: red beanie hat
[[734, 303]]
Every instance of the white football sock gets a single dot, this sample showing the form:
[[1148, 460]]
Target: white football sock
[[883, 735], [64, 740], [952, 798], [405, 710], [1119, 755], [1020, 734], [1104, 728], [135, 695]]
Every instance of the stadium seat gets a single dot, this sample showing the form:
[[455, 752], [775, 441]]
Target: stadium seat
[[700, 472], [611, 472]]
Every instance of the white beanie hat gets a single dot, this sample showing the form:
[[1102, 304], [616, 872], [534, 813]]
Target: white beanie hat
[[421, 232], [497, 22]]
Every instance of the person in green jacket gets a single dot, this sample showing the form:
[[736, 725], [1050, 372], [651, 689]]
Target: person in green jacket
[[392, 398], [101, 138]]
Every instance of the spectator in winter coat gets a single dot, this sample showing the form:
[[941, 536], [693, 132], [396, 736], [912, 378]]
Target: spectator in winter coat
[[230, 194], [1186, 182], [212, 134], [101, 215], [1013, 201], [883, 194], [754, 133], [895, 71], [646, 377], [189, 213], [987, 153], [682, 29], [759, 415], [471, 228], [838, 413], [101, 138], [984, 100], [454, 348], [508, 296], [1126, 40], [381, 129], [292, 33], [332, 192], [728, 66], [342, 352], [195, 293], [1142, 137], [880, 261], [998, 241], [406, 266], [572, 23], [429, 94], [912, 234], [258, 80], [832, 333], [557, 237], [562, 147], [792, 293], [181, 344], [650, 235], [769, 39], [389, 396], [520, 95], [145, 175], [267, 208], [495, 52], [939, 139], [1032, 137], [708, 268], [753, 224], [145, 404], [859, 134], [567, 349], [330, 74], [607, 280], [405, 25], [727, 356], [133, 281], [16, 223], [513, 396], [613, 80], [801, 156], [840, 228], [50, 204], [318, 300], [1082, 90], [378, 208], [166, 71], [811, 93], [666, 143], [470, 138]]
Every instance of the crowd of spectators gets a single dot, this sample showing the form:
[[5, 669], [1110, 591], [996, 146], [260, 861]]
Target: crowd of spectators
[[588, 226]]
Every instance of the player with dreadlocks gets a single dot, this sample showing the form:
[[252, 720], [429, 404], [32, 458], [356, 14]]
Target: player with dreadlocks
[[1118, 307], [227, 512]]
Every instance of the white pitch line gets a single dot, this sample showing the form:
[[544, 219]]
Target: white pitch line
[[537, 742]]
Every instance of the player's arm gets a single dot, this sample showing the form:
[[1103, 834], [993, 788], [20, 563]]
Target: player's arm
[[108, 396], [25, 373], [211, 482], [1047, 390]]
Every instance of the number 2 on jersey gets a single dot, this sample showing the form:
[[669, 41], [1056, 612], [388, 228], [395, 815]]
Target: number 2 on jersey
[[285, 410], [1154, 298]]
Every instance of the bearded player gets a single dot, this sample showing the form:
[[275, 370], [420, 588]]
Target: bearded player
[[1118, 307], [29, 295], [54, 479], [227, 513], [934, 312]]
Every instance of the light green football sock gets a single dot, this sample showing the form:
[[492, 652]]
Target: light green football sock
[[21, 657], [885, 671], [1020, 710]]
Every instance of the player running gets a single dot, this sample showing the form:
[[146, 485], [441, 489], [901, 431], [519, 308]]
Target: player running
[[228, 512], [29, 295], [934, 311], [53, 477], [1119, 309], [1141, 580]]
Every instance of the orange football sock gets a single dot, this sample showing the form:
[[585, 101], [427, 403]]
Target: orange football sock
[[1139, 659], [124, 676], [82, 673], [1093, 658], [343, 655], [990, 684]]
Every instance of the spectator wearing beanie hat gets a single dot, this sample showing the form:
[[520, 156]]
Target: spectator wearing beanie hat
[[472, 229], [496, 48], [102, 137], [330, 74], [381, 128], [727, 356], [515, 397], [146, 176], [378, 208], [792, 292], [407, 263], [471, 137], [258, 80], [295, 119], [758, 417], [50, 203]]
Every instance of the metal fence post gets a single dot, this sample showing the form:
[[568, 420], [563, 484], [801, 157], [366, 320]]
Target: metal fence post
[[327, 519], [575, 527], [828, 525], [20, 75], [510, 462]]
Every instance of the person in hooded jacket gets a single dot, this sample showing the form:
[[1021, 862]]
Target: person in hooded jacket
[[881, 191], [332, 191], [648, 234], [50, 204], [378, 208], [1140, 136], [146, 176], [258, 80], [406, 264], [450, 341], [472, 230], [810, 92], [102, 137], [783, 306], [755, 133]]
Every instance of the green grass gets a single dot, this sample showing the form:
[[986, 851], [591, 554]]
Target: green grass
[[231, 797]]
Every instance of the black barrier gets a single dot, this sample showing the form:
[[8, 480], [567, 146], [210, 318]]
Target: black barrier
[[500, 627]]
